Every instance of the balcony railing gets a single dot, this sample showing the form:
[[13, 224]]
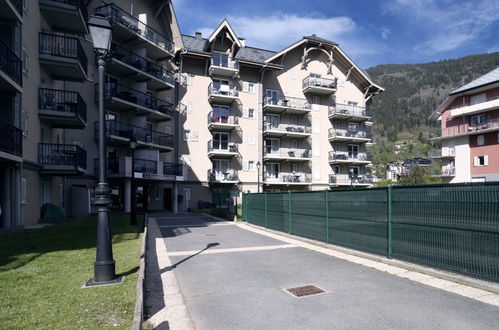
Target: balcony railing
[[62, 101], [11, 140], [287, 128], [446, 152], [10, 63], [222, 146], [136, 97], [223, 90], [172, 169], [487, 99], [62, 154], [289, 102], [318, 82], [333, 132], [225, 63], [142, 64], [145, 166], [466, 128], [216, 176], [448, 171], [117, 15], [348, 110], [142, 134], [289, 178], [62, 46], [342, 156], [345, 179], [218, 119], [288, 153]]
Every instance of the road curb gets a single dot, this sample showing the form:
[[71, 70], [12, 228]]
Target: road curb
[[138, 315]]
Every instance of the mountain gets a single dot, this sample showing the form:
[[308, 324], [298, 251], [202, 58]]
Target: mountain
[[413, 91]]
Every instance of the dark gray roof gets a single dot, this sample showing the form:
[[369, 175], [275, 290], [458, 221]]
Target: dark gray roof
[[195, 44], [486, 79], [316, 38], [254, 54]]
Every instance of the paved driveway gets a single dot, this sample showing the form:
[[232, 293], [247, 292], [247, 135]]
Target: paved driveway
[[232, 278]]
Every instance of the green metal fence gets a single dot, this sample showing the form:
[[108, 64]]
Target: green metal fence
[[453, 227]]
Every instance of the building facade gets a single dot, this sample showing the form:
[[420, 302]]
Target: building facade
[[257, 120], [469, 121]]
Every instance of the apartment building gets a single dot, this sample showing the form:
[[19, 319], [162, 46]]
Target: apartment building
[[258, 120], [49, 114], [469, 121]]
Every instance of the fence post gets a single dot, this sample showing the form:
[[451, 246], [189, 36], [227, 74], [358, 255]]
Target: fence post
[[243, 204], [327, 214], [265, 206], [389, 220], [289, 211]]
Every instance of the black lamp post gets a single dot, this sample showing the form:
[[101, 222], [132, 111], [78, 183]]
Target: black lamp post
[[104, 265], [133, 193], [258, 166]]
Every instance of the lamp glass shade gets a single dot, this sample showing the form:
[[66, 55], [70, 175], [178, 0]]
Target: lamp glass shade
[[258, 165], [100, 30]]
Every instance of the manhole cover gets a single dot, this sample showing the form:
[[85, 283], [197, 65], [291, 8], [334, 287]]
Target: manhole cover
[[210, 234], [305, 291]]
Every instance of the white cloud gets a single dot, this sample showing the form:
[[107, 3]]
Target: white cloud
[[447, 25]]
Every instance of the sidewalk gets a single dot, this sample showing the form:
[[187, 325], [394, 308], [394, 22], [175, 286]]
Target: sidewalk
[[209, 274]]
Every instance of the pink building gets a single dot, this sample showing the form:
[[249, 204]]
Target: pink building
[[469, 119]]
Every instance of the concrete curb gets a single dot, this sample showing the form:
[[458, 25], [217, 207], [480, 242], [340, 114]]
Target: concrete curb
[[452, 277], [138, 315]]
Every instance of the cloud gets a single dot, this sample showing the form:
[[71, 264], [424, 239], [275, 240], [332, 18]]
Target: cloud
[[385, 33], [446, 25]]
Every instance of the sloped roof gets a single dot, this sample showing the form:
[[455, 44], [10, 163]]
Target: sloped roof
[[486, 79], [254, 54], [195, 44], [318, 39]]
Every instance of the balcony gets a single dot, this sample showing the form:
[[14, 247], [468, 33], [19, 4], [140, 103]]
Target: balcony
[[62, 57], [228, 177], [62, 109], [129, 30], [143, 169], [125, 63], [447, 172], [223, 67], [339, 135], [65, 15], [222, 123], [318, 85], [11, 10], [172, 169], [286, 130], [222, 94], [11, 76], [345, 158], [441, 154], [222, 149], [122, 98], [11, 142], [119, 133], [288, 179], [490, 125], [291, 105], [62, 159], [349, 112], [346, 180], [288, 154], [491, 103]]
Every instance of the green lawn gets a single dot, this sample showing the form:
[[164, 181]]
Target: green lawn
[[42, 270]]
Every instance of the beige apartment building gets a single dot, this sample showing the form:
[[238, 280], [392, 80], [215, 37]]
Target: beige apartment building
[[301, 113]]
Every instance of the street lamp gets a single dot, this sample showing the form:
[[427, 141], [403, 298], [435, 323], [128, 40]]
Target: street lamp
[[258, 166], [133, 194], [104, 265]]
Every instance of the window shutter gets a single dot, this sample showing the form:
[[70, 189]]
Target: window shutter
[[485, 160], [245, 165], [245, 113], [316, 148], [187, 135], [475, 161], [317, 172], [245, 86], [194, 135], [188, 107], [316, 125], [251, 139]]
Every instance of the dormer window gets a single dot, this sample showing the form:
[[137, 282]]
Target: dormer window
[[220, 59]]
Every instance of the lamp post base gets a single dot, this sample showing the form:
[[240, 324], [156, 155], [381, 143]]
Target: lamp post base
[[90, 283]]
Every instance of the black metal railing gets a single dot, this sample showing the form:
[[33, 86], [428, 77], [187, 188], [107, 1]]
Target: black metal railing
[[319, 82], [117, 15], [217, 176], [224, 62], [142, 134], [136, 97], [62, 154], [10, 63], [335, 132], [79, 4], [18, 5], [222, 146], [62, 46], [11, 139], [349, 110], [62, 101], [223, 90], [286, 101], [141, 63], [145, 166], [221, 119], [346, 179], [172, 169], [349, 157]]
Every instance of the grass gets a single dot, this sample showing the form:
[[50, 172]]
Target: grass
[[42, 270]]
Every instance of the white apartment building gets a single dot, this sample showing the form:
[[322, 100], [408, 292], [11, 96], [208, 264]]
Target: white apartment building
[[302, 113]]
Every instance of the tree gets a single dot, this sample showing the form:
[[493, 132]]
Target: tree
[[417, 175]]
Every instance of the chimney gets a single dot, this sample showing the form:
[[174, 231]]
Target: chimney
[[243, 42], [199, 35]]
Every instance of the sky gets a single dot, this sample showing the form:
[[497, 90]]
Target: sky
[[371, 32]]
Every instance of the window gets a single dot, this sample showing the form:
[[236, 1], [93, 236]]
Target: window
[[251, 139], [294, 144], [481, 160], [220, 114], [271, 96], [337, 170], [479, 98], [480, 140], [221, 141], [478, 120], [251, 88], [272, 170], [353, 151], [272, 146], [294, 167], [353, 127], [316, 102], [272, 122], [251, 113], [220, 168], [220, 59], [187, 134], [251, 165], [190, 135], [293, 120]]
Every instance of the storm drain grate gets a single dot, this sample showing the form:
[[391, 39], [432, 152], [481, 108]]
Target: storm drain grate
[[304, 291]]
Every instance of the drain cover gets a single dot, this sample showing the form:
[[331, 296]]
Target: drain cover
[[304, 291], [210, 234]]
